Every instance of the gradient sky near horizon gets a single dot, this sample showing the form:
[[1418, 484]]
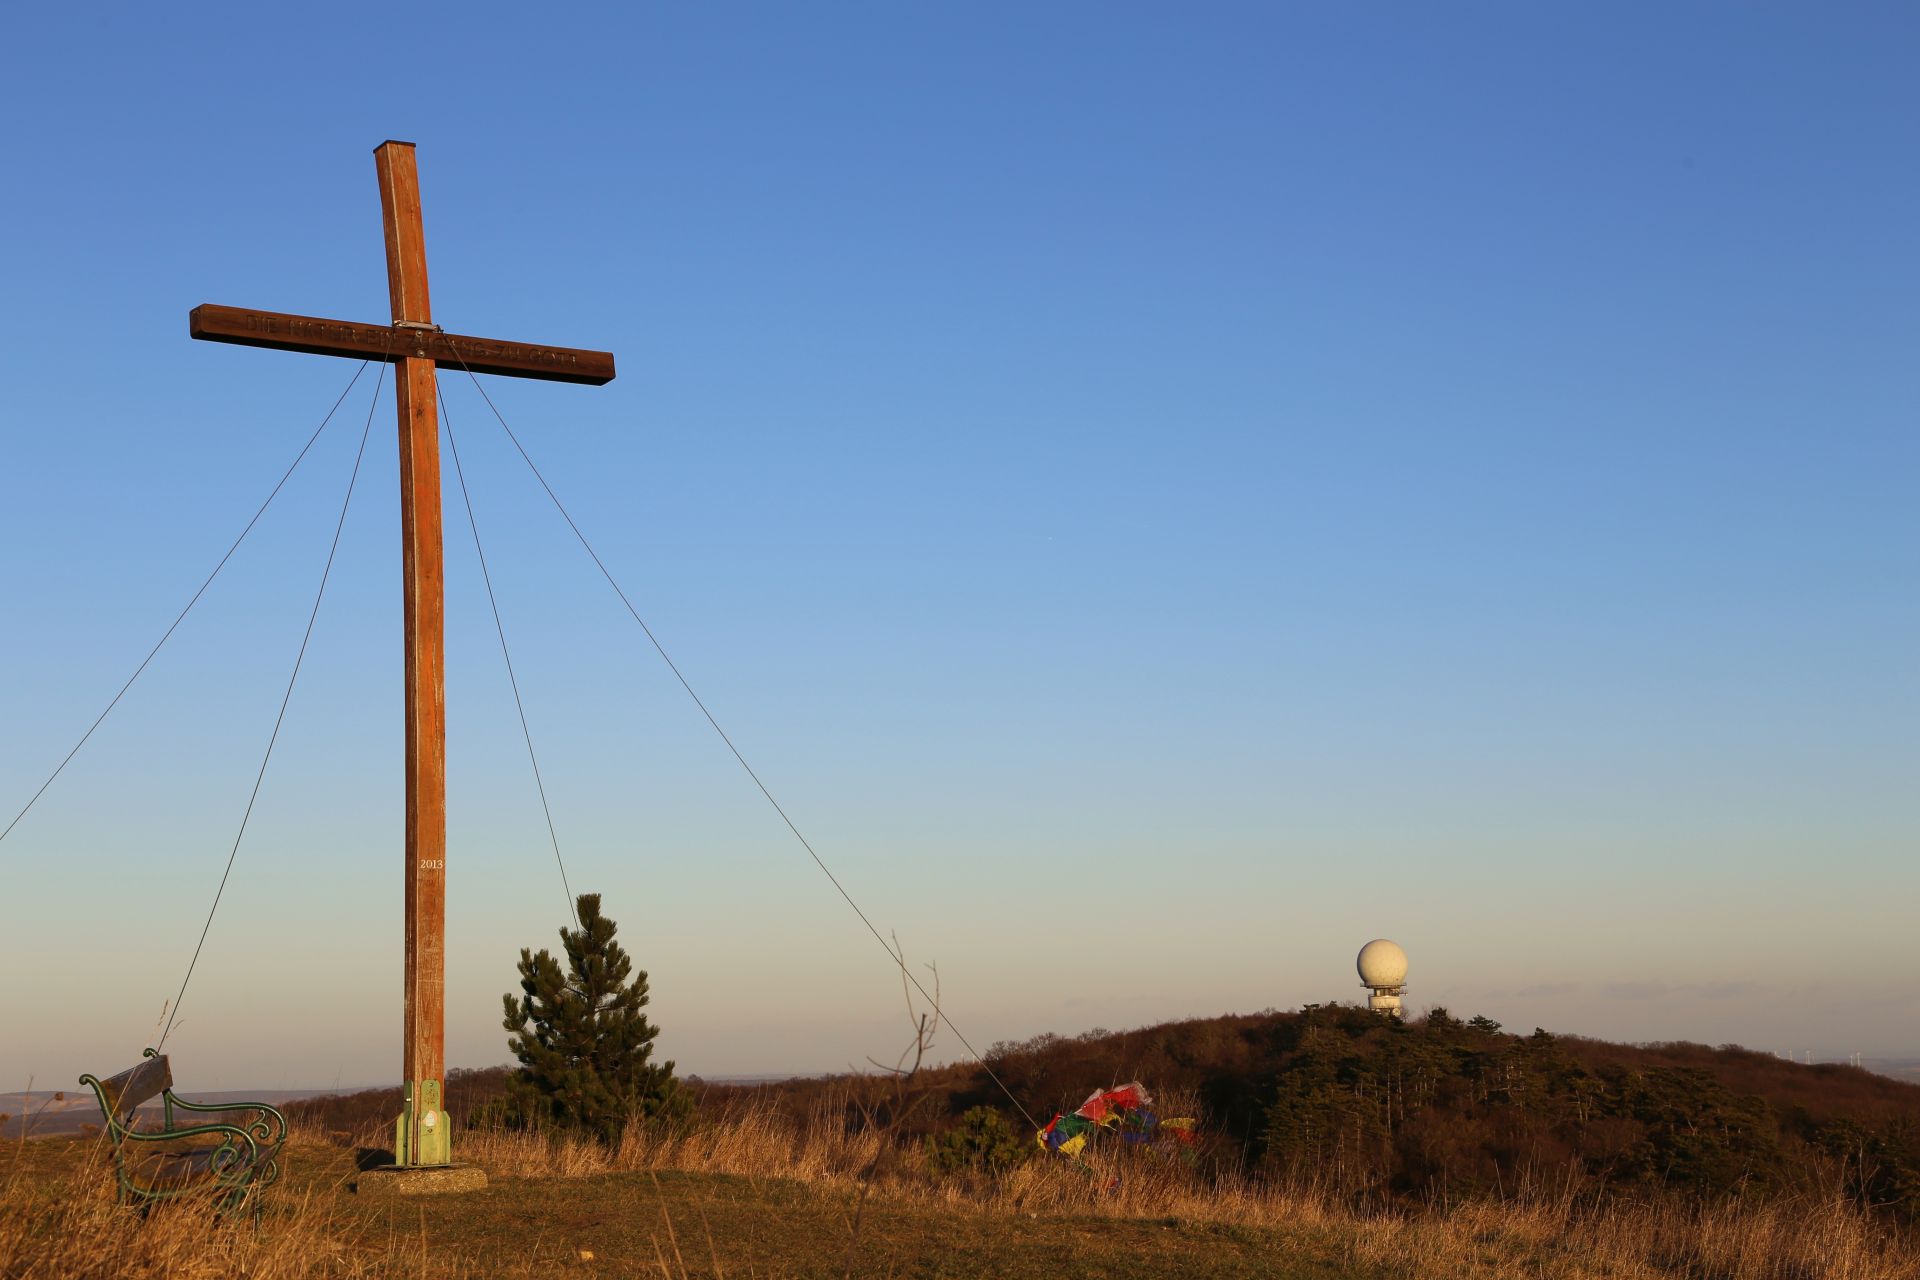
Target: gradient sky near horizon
[[1162, 494]]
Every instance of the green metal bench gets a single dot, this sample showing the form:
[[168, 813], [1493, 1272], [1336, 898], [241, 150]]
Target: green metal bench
[[149, 1164]]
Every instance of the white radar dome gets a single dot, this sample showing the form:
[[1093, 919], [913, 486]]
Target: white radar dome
[[1382, 964]]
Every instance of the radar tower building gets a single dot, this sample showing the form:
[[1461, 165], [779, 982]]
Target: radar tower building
[[1383, 972]]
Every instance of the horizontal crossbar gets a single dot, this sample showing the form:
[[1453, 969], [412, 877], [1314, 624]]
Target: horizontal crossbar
[[315, 336]]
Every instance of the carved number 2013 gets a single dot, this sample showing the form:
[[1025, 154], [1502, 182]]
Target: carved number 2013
[[433, 864]]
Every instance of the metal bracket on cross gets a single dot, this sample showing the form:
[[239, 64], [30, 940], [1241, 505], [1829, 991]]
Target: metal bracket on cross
[[421, 1113]]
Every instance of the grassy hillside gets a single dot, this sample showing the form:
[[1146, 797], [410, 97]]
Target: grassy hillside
[[1341, 1103], [540, 1218], [1334, 1145], [1439, 1108], [746, 1194]]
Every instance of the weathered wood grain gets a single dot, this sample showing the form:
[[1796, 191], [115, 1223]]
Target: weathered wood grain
[[314, 335], [135, 1085], [423, 585]]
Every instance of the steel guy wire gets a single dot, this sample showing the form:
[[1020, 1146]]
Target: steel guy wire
[[285, 699], [500, 627], [58, 769], [688, 687]]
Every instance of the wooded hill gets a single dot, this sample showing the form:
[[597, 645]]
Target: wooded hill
[[1435, 1107]]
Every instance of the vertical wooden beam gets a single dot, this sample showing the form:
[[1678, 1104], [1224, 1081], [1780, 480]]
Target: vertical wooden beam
[[422, 1137]]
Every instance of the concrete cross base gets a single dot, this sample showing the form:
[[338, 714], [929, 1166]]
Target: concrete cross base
[[420, 1180]]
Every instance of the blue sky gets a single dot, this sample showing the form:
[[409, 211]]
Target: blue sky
[[1162, 494]]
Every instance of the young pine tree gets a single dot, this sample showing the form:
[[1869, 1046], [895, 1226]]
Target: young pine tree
[[582, 1039]]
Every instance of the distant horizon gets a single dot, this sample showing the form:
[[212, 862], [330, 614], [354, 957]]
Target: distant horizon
[[1898, 1067]]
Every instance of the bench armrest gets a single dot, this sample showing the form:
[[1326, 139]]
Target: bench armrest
[[269, 1127]]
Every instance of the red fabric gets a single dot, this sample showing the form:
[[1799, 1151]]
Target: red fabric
[[1102, 1103]]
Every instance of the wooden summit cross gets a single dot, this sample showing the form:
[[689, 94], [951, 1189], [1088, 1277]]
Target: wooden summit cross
[[415, 344]]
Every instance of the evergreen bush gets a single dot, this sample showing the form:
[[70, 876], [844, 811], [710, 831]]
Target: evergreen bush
[[583, 1041]]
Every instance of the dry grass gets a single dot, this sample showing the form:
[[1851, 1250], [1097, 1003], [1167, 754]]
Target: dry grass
[[59, 1221], [1773, 1241], [752, 1141], [1566, 1235], [67, 1227]]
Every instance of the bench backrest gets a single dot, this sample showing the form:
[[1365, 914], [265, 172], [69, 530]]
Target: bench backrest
[[135, 1085]]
